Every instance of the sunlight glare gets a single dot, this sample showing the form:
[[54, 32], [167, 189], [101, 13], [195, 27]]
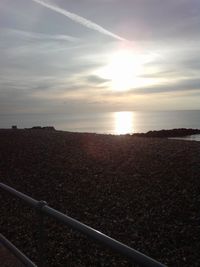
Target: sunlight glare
[[123, 70], [123, 122]]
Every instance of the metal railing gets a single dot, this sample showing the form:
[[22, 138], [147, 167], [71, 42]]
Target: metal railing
[[25, 260], [133, 255]]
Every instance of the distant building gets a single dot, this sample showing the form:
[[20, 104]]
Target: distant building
[[14, 127]]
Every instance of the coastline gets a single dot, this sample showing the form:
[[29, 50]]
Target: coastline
[[167, 133], [109, 122], [141, 191]]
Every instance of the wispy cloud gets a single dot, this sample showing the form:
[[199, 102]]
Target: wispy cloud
[[182, 85], [83, 21], [39, 36]]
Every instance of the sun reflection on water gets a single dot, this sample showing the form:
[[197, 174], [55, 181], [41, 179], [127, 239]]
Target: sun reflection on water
[[123, 122]]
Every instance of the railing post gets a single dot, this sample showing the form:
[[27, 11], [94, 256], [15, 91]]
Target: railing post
[[41, 233]]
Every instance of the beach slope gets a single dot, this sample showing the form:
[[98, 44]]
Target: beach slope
[[141, 191]]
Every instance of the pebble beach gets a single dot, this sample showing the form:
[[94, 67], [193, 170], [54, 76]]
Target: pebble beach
[[144, 192]]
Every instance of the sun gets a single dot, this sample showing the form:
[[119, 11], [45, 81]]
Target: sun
[[123, 70]]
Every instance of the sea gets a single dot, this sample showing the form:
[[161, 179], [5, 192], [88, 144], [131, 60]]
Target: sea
[[121, 122]]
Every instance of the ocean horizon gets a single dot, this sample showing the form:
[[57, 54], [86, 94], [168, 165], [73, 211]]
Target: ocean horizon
[[122, 122]]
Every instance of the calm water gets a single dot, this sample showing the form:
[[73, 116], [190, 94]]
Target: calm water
[[195, 137], [111, 122]]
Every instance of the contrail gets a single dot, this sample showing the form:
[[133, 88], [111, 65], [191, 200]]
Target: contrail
[[85, 22]]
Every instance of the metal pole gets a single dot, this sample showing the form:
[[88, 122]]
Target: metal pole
[[29, 200], [134, 255], [25, 260]]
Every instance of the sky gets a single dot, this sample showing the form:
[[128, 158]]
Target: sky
[[79, 56]]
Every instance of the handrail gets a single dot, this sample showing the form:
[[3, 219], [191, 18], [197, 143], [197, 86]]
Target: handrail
[[25, 260], [134, 255]]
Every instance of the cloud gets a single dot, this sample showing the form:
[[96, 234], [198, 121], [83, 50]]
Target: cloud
[[38, 36], [93, 79], [43, 64], [83, 21], [183, 85]]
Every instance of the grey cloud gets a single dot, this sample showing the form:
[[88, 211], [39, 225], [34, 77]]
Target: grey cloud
[[179, 86], [185, 86], [30, 36], [174, 63], [93, 79]]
